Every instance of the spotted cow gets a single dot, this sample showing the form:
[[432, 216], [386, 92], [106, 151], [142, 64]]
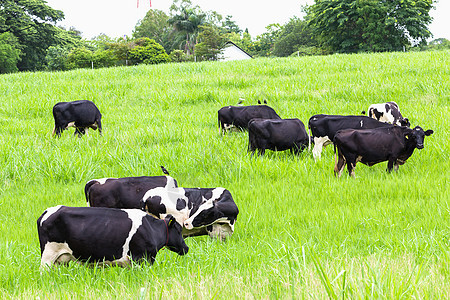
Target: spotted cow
[[105, 235]]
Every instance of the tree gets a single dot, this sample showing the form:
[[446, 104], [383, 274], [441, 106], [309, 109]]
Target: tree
[[291, 37], [230, 26], [370, 25], [155, 26], [211, 43], [9, 53], [186, 20], [56, 58], [31, 22]]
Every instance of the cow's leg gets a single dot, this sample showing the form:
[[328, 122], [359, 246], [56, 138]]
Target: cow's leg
[[390, 165], [99, 125], [319, 143], [79, 131], [396, 166], [351, 163], [340, 164]]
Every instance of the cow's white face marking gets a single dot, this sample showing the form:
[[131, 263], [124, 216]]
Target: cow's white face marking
[[169, 198], [361, 123], [53, 251], [319, 143], [136, 216], [49, 212]]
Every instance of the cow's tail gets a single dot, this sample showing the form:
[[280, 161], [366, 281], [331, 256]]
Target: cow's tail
[[86, 189]]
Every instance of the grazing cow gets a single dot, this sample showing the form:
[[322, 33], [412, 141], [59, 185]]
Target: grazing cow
[[324, 127], [105, 235], [277, 135], [388, 113], [81, 114], [124, 192], [239, 116], [394, 144], [201, 211]]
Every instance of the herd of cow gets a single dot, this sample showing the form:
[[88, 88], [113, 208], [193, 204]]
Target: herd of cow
[[382, 136], [132, 218]]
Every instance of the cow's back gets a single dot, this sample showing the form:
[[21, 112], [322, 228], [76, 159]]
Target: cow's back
[[126, 192]]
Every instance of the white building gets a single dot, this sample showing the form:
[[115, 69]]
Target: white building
[[232, 52]]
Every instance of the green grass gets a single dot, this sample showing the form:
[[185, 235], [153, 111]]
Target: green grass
[[301, 232]]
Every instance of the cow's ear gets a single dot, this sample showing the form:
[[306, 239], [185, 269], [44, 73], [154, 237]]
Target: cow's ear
[[170, 220], [429, 132]]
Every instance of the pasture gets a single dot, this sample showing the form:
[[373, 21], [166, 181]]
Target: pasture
[[301, 232]]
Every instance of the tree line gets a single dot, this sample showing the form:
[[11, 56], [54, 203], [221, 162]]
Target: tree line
[[30, 39]]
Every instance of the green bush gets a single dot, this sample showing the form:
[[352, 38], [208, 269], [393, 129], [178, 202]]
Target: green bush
[[148, 51], [79, 58], [179, 56]]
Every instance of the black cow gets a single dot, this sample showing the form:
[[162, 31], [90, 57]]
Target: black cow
[[394, 144], [105, 235], [202, 211], [388, 113], [239, 116], [324, 127], [277, 135], [124, 192], [81, 114]]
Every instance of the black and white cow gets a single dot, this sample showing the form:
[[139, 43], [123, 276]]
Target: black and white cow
[[389, 113], [160, 196], [126, 192], [394, 144], [105, 235], [324, 127], [202, 211], [81, 114], [277, 135], [238, 116]]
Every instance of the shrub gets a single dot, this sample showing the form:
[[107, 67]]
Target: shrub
[[148, 51], [56, 58], [79, 58]]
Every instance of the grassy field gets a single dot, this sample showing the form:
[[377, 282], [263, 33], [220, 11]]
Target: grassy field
[[301, 232]]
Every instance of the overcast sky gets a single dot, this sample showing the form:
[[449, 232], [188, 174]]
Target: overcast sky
[[116, 18]]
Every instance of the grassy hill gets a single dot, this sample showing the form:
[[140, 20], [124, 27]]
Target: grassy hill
[[301, 232]]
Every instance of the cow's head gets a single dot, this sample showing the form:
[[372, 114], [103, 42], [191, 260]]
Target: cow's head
[[219, 208], [175, 241], [418, 136]]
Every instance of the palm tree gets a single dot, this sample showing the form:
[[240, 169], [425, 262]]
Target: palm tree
[[186, 23]]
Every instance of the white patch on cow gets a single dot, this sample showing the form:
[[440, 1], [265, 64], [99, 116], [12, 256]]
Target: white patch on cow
[[386, 117], [319, 143], [56, 252], [71, 124], [136, 216], [361, 123], [170, 183], [169, 198], [102, 180], [229, 127], [48, 212]]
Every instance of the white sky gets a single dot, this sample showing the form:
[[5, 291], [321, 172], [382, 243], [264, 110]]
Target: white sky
[[116, 18]]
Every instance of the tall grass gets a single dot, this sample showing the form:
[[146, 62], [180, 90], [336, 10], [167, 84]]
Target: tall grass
[[301, 232]]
